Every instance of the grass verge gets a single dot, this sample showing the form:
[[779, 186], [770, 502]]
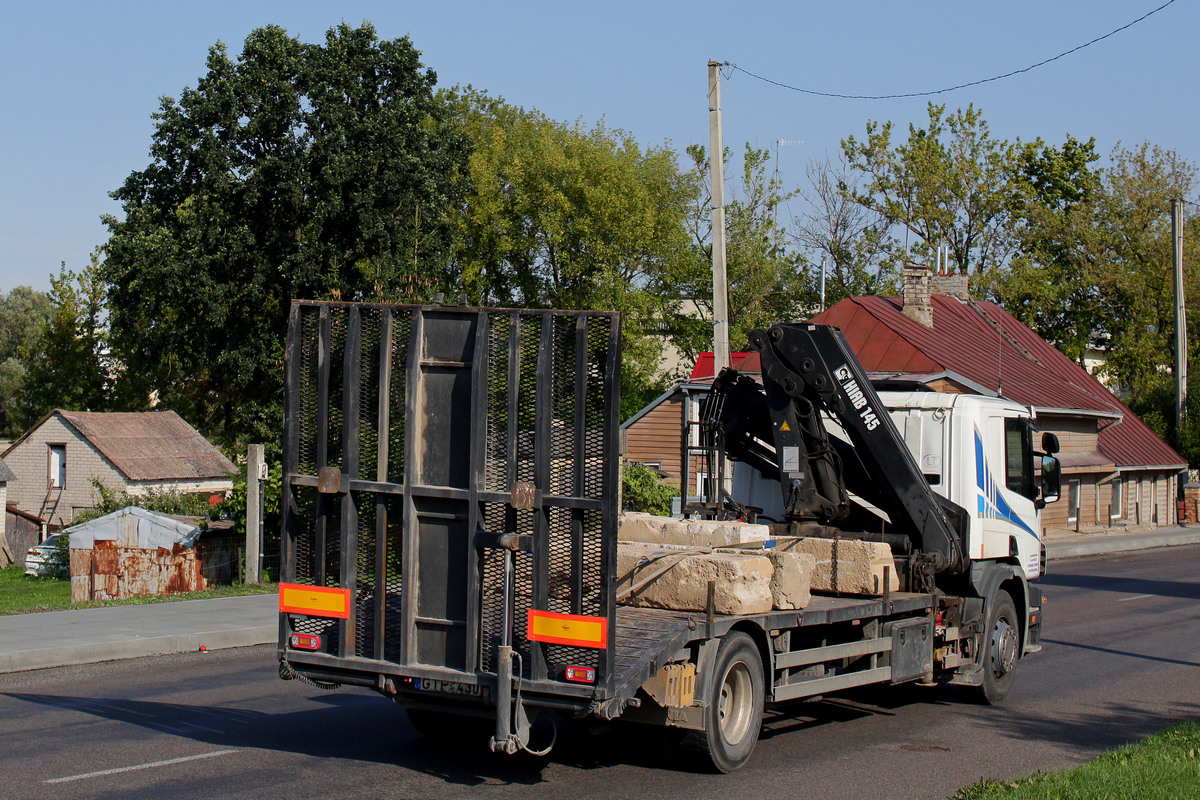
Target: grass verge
[[24, 594], [1164, 767]]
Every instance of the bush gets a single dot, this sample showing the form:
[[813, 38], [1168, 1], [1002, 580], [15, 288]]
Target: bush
[[158, 501], [643, 489]]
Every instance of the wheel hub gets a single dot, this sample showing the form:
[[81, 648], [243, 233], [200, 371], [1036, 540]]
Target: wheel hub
[[1004, 648], [733, 709]]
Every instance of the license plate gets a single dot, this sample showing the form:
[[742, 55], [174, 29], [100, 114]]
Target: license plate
[[450, 687]]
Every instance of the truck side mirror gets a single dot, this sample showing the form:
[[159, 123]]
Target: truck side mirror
[[1051, 478], [1049, 443]]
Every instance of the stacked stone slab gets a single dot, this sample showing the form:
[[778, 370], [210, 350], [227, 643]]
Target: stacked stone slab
[[799, 565], [860, 565], [791, 578], [742, 581], [787, 578], [636, 526]]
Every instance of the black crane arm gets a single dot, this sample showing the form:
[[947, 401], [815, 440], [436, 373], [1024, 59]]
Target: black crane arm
[[778, 429]]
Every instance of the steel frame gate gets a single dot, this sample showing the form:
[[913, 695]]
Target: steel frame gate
[[406, 430]]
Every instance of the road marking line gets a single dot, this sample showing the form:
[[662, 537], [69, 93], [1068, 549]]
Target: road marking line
[[1135, 597], [138, 766]]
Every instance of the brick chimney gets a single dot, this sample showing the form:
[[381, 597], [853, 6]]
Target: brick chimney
[[921, 284], [918, 302], [951, 284]]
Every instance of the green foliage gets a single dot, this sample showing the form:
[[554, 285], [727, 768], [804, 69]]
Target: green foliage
[[1052, 283], [1164, 767], [949, 183], [293, 171], [161, 501], [572, 217], [642, 489], [234, 505], [1095, 267], [73, 368], [62, 557], [23, 313]]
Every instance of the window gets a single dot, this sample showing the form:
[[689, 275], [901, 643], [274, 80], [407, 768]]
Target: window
[[58, 466], [1117, 506], [1073, 501], [1018, 457]]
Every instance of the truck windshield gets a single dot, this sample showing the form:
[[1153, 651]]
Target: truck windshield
[[1018, 451]]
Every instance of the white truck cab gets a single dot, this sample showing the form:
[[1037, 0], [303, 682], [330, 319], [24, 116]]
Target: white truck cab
[[978, 453]]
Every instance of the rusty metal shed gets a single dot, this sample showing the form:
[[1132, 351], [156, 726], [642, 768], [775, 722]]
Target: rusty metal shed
[[134, 552]]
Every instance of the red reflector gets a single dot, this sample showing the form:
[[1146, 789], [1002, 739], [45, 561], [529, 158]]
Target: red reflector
[[305, 641], [581, 674]]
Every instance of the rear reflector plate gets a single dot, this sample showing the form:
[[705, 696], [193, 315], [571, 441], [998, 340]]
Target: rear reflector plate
[[315, 601], [569, 629]]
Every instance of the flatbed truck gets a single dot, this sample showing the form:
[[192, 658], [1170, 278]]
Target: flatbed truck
[[450, 513]]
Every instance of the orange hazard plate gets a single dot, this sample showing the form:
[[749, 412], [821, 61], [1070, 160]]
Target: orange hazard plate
[[570, 629], [316, 601]]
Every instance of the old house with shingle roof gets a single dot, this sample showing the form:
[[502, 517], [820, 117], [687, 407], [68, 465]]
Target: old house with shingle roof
[[55, 462]]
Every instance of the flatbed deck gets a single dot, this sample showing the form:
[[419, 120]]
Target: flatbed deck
[[647, 638]]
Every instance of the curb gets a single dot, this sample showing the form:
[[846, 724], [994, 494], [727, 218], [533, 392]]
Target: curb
[[1119, 543], [91, 635], [69, 655]]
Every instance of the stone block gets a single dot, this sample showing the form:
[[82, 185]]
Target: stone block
[[742, 581], [640, 527], [791, 578], [859, 565]]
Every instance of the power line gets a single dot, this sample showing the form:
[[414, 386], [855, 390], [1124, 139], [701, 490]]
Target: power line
[[950, 88]]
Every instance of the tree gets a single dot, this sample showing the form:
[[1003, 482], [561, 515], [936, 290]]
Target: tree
[[1094, 267], [23, 312], [1054, 281], [845, 235], [293, 171], [765, 278], [567, 216], [73, 368], [949, 183], [1138, 282]]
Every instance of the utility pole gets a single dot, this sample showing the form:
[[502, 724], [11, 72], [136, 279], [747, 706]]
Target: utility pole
[[717, 174], [1181, 370]]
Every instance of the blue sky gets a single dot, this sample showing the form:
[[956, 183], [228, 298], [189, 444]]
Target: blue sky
[[79, 81]]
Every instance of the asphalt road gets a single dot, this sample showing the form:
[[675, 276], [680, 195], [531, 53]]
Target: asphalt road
[[1122, 660]]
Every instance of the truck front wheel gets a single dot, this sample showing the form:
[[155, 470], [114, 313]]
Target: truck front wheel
[[1001, 649], [733, 715]]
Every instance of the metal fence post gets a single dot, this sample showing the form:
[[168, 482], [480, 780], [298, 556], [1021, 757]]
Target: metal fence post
[[255, 465]]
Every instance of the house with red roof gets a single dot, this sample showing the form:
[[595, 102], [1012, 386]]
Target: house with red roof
[[1116, 471]]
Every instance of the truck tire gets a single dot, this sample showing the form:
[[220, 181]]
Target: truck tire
[[1001, 649], [733, 714]]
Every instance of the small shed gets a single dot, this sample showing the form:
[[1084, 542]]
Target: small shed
[[135, 552]]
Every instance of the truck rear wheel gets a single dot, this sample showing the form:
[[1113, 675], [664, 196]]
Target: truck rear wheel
[[733, 715], [1001, 649]]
